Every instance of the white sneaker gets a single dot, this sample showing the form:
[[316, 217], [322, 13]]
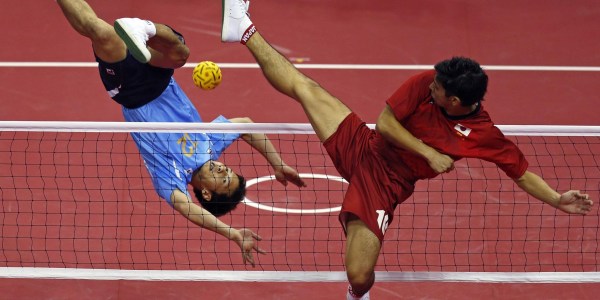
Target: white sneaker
[[134, 33], [236, 25]]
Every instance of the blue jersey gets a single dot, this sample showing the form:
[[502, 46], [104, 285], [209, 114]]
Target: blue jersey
[[150, 94], [171, 158]]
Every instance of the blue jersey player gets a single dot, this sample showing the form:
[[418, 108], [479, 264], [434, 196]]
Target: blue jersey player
[[141, 81]]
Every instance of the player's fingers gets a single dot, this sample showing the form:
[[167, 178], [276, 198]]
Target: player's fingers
[[259, 250], [250, 259], [256, 237], [299, 182]]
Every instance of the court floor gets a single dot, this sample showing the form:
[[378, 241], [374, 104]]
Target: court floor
[[541, 56]]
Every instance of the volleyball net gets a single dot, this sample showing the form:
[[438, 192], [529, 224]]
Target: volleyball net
[[76, 197]]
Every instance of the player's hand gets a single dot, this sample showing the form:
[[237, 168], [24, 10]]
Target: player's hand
[[247, 241], [441, 163], [574, 202], [285, 173]]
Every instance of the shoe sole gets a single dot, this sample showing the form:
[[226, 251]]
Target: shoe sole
[[223, 27], [137, 49]]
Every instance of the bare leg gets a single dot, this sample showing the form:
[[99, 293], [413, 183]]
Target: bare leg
[[362, 250], [106, 43], [324, 111]]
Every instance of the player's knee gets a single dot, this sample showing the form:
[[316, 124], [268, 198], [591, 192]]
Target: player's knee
[[101, 35], [359, 276], [311, 85], [305, 89], [180, 56]]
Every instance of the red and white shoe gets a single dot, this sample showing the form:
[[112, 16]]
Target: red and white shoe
[[236, 24]]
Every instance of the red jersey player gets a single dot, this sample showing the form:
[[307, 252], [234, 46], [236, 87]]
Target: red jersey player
[[433, 119], [463, 131]]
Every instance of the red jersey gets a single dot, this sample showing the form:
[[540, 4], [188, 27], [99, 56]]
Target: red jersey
[[381, 175], [473, 135]]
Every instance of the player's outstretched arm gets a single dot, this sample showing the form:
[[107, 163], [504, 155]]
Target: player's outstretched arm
[[261, 143], [245, 238], [572, 202]]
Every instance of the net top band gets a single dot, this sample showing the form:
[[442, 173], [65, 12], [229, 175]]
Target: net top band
[[281, 128]]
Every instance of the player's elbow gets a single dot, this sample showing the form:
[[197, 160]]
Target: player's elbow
[[523, 179]]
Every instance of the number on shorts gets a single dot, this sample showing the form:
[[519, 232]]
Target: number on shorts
[[382, 220]]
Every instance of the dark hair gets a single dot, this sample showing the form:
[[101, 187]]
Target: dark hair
[[462, 77], [221, 204]]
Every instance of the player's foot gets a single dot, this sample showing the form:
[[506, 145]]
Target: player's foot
[[135, 33], [236, 25], [350, 295]]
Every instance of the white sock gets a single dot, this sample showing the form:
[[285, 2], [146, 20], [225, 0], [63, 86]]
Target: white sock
[[150, 28]]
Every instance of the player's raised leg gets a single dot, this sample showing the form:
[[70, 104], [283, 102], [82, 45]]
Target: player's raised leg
[[324, 111], [107, 45]]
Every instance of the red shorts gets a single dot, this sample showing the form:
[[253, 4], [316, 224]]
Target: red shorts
[[375, 189]]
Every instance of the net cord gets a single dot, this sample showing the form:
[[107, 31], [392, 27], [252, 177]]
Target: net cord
[[282, 128]]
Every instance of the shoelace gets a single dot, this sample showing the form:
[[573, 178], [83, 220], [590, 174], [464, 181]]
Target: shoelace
[[246, 6]]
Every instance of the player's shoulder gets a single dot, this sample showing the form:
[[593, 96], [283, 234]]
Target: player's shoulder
[[424, 77], [482, 122]]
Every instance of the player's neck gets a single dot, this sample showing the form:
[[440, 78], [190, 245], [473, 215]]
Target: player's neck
[[458, 111], [198, 175]]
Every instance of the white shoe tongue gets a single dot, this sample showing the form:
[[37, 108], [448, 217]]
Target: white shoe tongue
[[247, 4]]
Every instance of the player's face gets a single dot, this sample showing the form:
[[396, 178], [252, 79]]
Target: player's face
[[217, 177], [438, 93]]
